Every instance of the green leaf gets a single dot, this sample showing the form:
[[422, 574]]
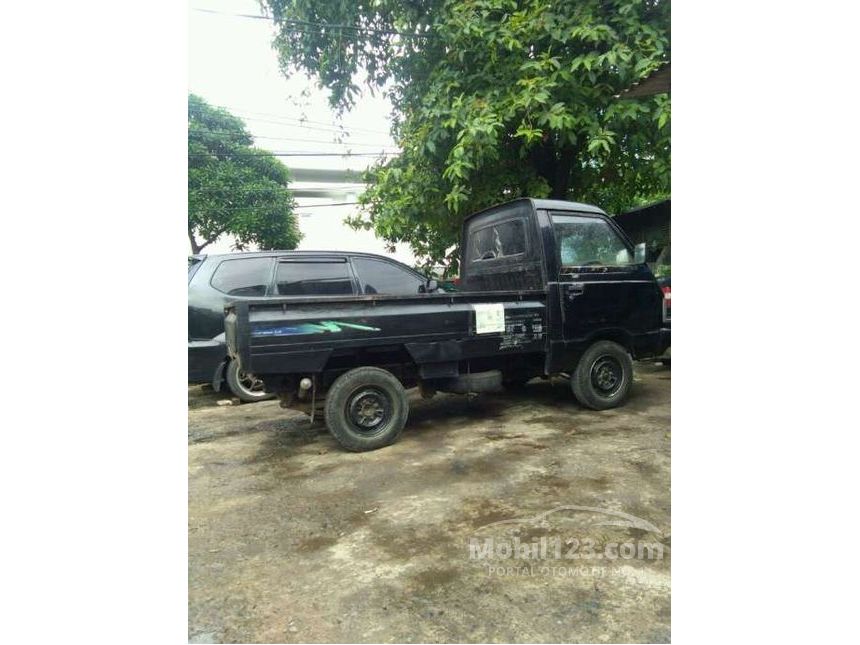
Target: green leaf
[[488, 98]]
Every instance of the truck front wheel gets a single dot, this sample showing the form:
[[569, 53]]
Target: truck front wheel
[[366, 408], [603, 376]]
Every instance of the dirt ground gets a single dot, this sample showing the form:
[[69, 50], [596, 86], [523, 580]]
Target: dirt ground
[[292, 539]]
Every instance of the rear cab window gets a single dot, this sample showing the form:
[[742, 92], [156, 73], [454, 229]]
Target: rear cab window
[[501, 250], [248, 277], [498, 240], [311, 277]]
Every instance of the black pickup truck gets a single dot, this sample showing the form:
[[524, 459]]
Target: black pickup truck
[[546, 287]]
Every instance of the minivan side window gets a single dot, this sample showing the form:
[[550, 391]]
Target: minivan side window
[[243, 276], [313, 278], [383, 277]]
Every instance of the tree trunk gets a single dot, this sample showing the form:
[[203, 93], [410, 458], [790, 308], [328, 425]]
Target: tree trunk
[[195, 247], [560, 183], [555, 166]]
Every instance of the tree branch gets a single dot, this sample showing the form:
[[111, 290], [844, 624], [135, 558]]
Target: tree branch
[[195, 248]]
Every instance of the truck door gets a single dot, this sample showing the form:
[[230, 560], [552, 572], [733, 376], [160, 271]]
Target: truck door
[[601, 291]]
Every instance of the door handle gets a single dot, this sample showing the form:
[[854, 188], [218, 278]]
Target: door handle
[[574, 290]]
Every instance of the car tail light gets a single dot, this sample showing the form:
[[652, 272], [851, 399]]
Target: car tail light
[[667, 303]]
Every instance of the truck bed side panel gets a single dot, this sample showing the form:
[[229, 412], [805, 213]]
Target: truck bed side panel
[[437, 332]]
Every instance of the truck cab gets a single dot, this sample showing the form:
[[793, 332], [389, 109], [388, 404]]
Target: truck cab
[[596, 282]]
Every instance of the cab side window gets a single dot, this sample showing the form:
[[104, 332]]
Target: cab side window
[[313, 278], [248, 277], [383, 277], [585, 241]]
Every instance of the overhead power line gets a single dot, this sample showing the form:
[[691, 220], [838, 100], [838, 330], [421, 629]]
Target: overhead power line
[[326, 205], [341, 143], [308, 23], [314, 154], [291, 120], [331, 143], [205, 190], [298, 123], [304, 127], [275, 205], [235, 15], [290, 125]]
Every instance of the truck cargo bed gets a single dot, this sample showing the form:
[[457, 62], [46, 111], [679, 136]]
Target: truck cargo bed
[[282, 336]]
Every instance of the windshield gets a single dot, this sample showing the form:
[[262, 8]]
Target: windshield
[[584, 241]]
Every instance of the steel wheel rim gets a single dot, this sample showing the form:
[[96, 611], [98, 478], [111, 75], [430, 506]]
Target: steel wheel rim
[[368, 410], [607, 376], [250, 383]]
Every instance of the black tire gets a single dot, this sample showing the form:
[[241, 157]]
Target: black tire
[[603, 376], [244, 386], [366, 409]]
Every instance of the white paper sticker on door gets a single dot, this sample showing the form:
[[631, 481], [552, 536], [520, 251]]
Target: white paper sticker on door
[[489, 318]]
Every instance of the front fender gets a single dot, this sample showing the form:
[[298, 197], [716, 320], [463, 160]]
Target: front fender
[[218, 377]]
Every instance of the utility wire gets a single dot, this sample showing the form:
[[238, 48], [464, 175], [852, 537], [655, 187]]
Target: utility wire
[[326, 205], [271, 193], [331, 143], [307, 23], [264, 153], [293, 125], [235, 15], [275, 205], [285, 119], [299, 121], [199, 188], [345, 133]]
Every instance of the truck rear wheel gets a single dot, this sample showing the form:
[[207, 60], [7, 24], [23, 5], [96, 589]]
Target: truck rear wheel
[[603, 376], [366, 408]]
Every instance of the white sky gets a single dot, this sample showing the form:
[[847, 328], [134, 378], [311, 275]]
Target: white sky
[[232, 64]]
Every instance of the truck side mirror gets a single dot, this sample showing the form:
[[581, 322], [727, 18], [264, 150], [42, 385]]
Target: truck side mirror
[[430, 287], [639, 253]]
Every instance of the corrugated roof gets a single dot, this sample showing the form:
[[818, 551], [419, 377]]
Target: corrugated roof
[[657, 82]]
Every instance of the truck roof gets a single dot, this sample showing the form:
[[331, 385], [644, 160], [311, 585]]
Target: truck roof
[[547, 204]]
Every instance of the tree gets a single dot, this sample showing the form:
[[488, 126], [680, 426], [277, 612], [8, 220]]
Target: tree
[[493, 99], [233, 187]]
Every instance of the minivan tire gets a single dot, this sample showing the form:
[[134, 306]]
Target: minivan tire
[[603, 376], [237, 381], [366, 408], [515, 382]]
